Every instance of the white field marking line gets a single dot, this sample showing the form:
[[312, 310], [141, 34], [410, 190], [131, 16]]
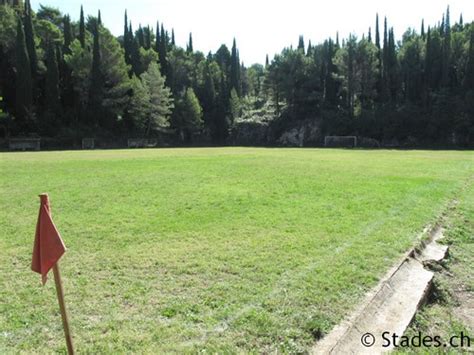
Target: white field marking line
[[303, 271]]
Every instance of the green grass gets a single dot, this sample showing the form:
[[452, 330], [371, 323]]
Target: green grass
[[224, 250], [449, 312]]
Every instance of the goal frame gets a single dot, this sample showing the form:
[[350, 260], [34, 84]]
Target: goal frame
[[328, 139]]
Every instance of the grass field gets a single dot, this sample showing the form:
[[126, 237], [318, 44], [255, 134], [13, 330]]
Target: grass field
[[226, 249]]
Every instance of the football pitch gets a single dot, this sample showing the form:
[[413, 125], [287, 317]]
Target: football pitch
[[216, 249]]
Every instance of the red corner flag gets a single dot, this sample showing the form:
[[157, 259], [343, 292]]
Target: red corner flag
[[49, 246]]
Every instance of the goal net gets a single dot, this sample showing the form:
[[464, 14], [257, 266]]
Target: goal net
[[340, 141]]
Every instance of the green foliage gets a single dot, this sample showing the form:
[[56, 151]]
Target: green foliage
[[8, 27], [50, 14], [115, 77], [187, 116], [49, 33], [30, 39], [82, 29], [52, 101], [417, 90], [147, 56], [235, 105], [139, 105], [80, 62], [160, 103], [24, 82]]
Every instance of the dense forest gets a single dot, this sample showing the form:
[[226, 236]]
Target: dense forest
[[66, 79]]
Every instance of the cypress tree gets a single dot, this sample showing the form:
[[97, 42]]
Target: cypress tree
[[168, 40], [461, 22], [67, 34], [189, 48], [423, 29], [99, 19], [140, 36], [267, 62], [469, 77], [147, 35], [157, 38], [96, 89], [309, 51], [126, 41], [329, 82], [52, 81], [385, 87], [23, 85], [369, 37], [135, 59], [446, 50], [82, 29], [301, 44], [350, 75], [392, 66], [428, 60], [30, 40], [173, 41], [234, 69], [377, 33], [162, 53]]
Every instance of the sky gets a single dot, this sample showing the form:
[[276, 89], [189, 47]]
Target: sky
[[264, 27]]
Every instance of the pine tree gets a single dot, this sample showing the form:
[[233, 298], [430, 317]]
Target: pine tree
[[23, 83], [161, 101], [82, 29], [30, 40], [188, 115]]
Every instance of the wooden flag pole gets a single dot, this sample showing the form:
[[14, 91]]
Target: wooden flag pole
[[62, 307]]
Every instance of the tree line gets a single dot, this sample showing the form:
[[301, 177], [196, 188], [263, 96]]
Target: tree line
[[63, 78]]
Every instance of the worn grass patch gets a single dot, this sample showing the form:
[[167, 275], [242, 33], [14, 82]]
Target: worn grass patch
[[225, 250]]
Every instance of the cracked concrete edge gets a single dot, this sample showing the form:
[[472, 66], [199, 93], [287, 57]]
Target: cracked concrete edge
[[430, 235]]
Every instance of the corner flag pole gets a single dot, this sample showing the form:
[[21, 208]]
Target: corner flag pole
[[62, 307]]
